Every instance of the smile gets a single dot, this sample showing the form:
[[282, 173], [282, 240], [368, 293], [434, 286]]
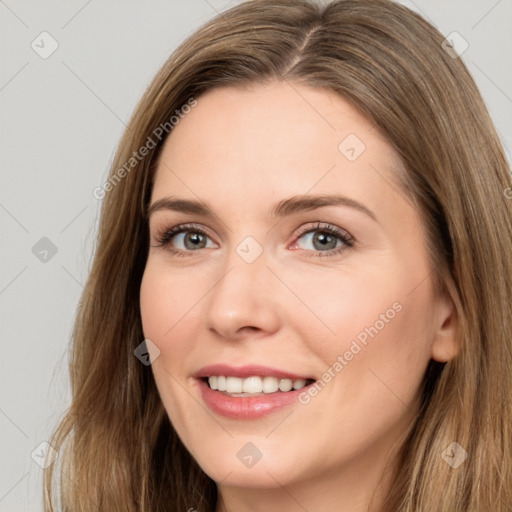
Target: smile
[[249, 392], [254, 385]]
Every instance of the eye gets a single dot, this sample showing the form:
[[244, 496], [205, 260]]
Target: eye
[[327, 239], [192, 237]]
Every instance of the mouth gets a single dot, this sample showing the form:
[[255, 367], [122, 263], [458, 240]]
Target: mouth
[[249, 392], [255, 385]]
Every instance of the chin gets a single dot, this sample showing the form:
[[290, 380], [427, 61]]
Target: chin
[[250, 462]]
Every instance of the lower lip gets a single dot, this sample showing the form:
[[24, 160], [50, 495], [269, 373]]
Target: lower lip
[[246, 407]]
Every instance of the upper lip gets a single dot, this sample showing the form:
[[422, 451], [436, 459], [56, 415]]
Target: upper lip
[[249, 370]]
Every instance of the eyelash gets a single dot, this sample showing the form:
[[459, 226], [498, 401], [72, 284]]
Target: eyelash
[[165, 237]]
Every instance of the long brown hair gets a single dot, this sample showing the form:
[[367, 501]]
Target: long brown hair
[[117, 448]]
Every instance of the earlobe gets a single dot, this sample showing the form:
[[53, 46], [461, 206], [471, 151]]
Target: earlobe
[[445, 345]]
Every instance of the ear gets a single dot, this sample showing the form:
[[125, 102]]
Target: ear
[[445, 345]]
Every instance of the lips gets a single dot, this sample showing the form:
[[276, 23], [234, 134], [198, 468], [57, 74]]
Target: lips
[[251, 391]]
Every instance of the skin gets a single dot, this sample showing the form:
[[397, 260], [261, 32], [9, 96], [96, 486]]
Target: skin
[[295, 307]]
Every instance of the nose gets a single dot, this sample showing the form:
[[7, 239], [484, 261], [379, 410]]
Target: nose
[[244, 302]]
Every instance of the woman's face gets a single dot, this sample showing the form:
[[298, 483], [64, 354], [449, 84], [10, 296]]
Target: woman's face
[[309, 265]]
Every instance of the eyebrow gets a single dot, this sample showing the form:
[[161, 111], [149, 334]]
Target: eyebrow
[[281, 209]]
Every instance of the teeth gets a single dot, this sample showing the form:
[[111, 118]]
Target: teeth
[[234, 385], [285, 384], [299, 383], [221, 383], [270, 385], [254, 384]]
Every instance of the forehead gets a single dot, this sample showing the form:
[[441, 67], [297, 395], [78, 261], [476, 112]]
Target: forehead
[[272, 140]]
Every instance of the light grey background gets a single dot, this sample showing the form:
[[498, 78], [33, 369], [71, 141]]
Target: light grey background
[[62, 118]]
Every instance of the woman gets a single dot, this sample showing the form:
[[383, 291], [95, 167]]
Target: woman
[[222, 358]]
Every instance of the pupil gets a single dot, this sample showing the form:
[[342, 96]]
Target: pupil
[[193, 237], [324, 239]]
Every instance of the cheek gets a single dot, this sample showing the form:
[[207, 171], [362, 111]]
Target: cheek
[[342, 308], [150, 305], [384, 343], [166, 306], [369, 328], [155, 306]]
